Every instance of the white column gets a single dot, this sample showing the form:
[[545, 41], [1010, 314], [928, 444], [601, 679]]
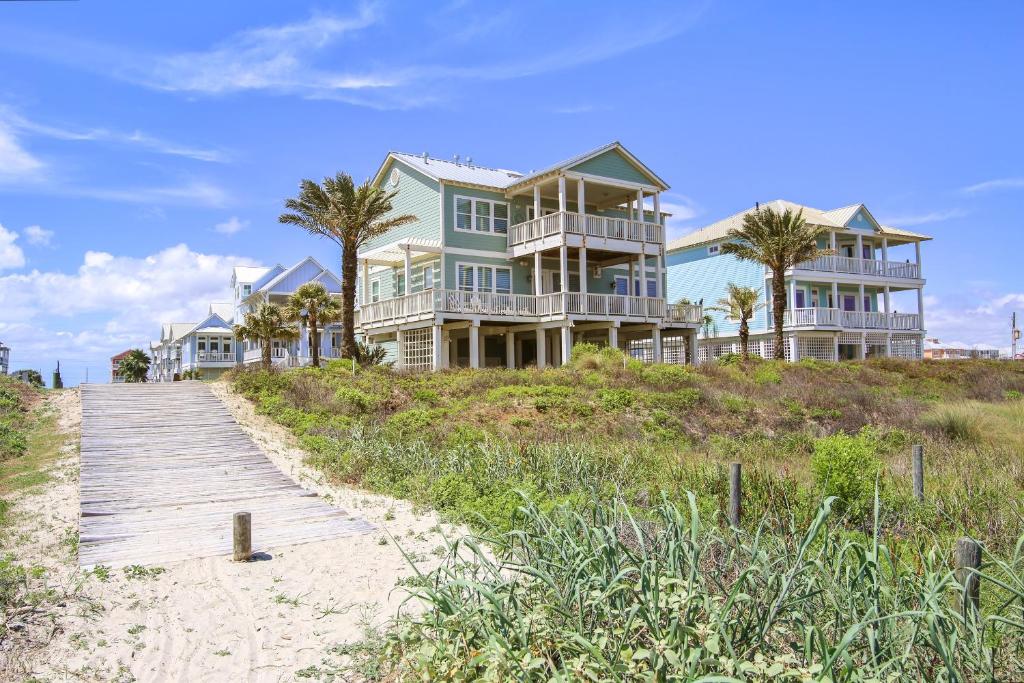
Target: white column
[[885, 248], [835, 295], [860, 298], [657, 208], [691, 346], [832, 240], [613, 336], [583, 275], [859, 253], [541, 347], [510, 350], [794, 348], [438, 348], [888, 308], [538, 274], [656, 344], [792, 294], [563, 267], [400, 343], [920, 306], [561, 202], [446, 354], [863, 345], [366, 281], [536, 201], [641, 273], [917, 259], [474, 345], [408, 271], [888, 344], [581, 203], [566, 344], [659, 275], [640, 205]]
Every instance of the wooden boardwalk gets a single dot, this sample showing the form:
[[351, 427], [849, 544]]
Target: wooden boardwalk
[[164, 467]]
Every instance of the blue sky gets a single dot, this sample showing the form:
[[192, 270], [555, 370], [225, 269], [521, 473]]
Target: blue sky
[[145, 148]]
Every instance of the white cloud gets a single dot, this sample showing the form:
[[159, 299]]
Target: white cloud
[[112, 302], [192, 193], [11, 255], [683, 210], [997, 184], [231, 226], [963, 319], [909, 220], [36, 234], [16, 163]]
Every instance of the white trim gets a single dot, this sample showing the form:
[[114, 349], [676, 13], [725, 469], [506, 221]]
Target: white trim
[[482, 253], [473, 201], [476, 280]]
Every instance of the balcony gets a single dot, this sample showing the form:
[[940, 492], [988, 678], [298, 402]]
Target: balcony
[[214, 357], [860, 320], [610, 230], [526, 307], [899, 270]]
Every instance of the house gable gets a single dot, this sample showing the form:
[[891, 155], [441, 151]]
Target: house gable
[[863, 220], [212, 321], [613, 163], [416, 195], [287, 282]]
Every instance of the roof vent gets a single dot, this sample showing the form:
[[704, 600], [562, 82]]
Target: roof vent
[[469, 161], [456, 158], [757, 206], [425, 157]]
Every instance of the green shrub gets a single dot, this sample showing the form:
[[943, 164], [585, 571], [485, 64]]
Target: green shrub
[[10, 401], [729, 359], [767, 373], [848, 468], [614, 400], [736, 404], [956, 422], [667, 375], [427, 396], [352, 401], [1012, 395], [12, 441]]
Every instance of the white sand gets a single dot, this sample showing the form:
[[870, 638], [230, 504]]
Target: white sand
[[213, 619]]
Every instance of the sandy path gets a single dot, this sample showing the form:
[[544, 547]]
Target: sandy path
[[213, 619]]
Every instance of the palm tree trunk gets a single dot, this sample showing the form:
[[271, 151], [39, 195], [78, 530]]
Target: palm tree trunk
[[778, 310], [265, 361], [349, 265], [744, 336], [315, 340]]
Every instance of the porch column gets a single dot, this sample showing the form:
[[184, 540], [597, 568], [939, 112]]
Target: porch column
[[563, 267], [474, 345], [835, 295], [835, 345], [691, 346], [888, 308], [408, 271], [566, 350], [541, 347], [917, 258], [860, 253], [446, 350], [863, 345], [583, 276], [641, 274], [792, 294], [885, 249], [659, 286], [400, 349], [920, 307], [561, 202], [860, 300], [366, 281], [536, 201], [888, 345], [832, 240], [657, 208], [510, 350], [613, 336], [656, 344], [794, 348], [581, 203], [538, 274], [640, 207], [438, 348], [304, 351]]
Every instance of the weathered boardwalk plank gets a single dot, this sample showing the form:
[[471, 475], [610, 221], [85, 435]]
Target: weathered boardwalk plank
[[164, 467]]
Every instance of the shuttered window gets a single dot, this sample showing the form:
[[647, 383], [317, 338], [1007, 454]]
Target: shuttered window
[[485, 279], [501, 218], [621, 285], [463, 213], [503, 281], [481, 215], [428, 276], [466, 279]]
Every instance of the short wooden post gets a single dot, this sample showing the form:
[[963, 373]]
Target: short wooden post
[[917, 453], [243, 536], [967, 559], [735, 491]]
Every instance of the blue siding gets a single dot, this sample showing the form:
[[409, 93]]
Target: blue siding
[[306, 272], [706, 278]]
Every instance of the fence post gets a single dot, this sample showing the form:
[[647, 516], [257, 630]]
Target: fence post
[[967, 559], [735, 490], [917, 453], [242, 536]]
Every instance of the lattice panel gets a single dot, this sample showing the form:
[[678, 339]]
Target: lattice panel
[[849, 338], [641, 349], [673, 349], [417, 349], [818, 348], [906, 346]]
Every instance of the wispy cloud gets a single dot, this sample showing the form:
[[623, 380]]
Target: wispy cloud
[[11, 255], [37, 234], [997, 184], [191, 193], [909, 220], [231, 226], [683, 210], [16, 162], [136, 138]]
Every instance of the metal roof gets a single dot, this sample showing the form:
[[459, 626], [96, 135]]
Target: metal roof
[[461, 172], [249, 273]]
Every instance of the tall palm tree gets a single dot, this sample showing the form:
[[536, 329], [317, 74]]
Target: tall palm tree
[[263, 325], [741, 304], [134, 367], [350, 216], [779, 241], [314, 305]]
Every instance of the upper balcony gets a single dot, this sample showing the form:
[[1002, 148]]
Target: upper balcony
[[844, 265], [835, 318], [570, 228]]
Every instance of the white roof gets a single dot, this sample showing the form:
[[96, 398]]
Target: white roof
[[224, 309], [469, 174], [270, 284], [175, 331], [833, 218], [249, 273]]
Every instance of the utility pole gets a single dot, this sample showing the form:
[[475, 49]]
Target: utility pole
[[1014, 335]]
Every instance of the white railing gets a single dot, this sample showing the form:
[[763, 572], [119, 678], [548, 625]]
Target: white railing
[[572, 223], [214, 357], [834, 317], [860, 266], [426, 304]]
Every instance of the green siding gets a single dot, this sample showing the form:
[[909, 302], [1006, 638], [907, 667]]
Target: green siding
[[483, 241], [417, 195], [612, 164]]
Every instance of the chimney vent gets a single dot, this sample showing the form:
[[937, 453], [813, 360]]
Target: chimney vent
[[425, 157], [469, 161], [456, 158]]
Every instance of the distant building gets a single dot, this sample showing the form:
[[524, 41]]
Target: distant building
[[937, 350], [5, 358], [115, 367]]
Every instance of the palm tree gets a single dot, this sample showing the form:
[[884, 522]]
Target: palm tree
[[741, 304], [313, 304], [779, 241], [350, 216], [134, 367], [263, 325]]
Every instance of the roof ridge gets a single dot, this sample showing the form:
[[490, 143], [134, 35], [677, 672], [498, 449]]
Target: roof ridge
[[467, 165]]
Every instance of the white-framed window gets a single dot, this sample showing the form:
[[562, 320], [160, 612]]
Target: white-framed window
[[714, 249], [474, 278], [428, 276], [481, 215], [400, 283], [621, 285], [246, 290], [374, 290]]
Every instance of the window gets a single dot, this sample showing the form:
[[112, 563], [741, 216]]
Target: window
[[867, 302], [227, 346], [428, 276], [400, 283], [481, 215], [849, 302], [652, 288], [800, 299], [714, 249], [814, 298], [621, 285], [375, 290], [201, 343], [246, 290], [214, 344], [484, 279]]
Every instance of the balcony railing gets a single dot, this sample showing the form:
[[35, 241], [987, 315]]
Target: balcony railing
[[860, 266], [572, 223], [215, 357], [834, 317], [492, 304]]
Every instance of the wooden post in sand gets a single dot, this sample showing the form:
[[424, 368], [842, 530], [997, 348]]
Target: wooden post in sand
[[735, 490], [917, 455], [242, 536], [967, 559]]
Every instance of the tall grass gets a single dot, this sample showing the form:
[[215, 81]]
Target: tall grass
[[610, 596]]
